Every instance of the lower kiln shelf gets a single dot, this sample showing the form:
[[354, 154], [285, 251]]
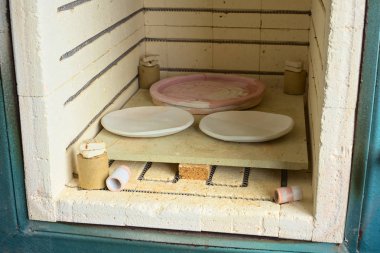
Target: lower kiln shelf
[[192, 146], [154, 201]]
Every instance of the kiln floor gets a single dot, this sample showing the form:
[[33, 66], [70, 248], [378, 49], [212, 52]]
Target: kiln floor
[[231, 201], [193, 146]]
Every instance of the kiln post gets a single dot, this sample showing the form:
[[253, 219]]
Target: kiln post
[[287, 194], [118, 179], [149, 71], [92, 165], [294, 78], [92, 172]]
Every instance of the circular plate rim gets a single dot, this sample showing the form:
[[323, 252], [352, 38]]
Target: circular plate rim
[[157, 133], [157, 95], [252, 140]]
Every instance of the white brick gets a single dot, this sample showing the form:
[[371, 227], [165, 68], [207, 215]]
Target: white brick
[[247, 20], [332, 178], [216, 216], [43, 20], [296, 218], [273, 57], [303, 5], [165, 211], [162, 172], [190, 55], [38, 123], [236, 57], [345, 20], [296, 221], [255, 218], [93, 207], [237, 4], [101, 207], [285, 21], [42, 209], [178, 18]]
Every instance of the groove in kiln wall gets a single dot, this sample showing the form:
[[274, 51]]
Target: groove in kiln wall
[[109, 66], [102, 111], [98, 35], [71, 5], [242, 37]]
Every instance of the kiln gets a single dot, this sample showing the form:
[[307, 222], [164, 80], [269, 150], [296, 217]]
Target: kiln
[[77, 61]]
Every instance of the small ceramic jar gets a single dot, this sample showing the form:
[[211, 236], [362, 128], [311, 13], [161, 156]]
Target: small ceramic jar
[[149, 71], [92, 172], [294, 78]]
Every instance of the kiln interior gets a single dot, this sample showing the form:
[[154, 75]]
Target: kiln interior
[[93, 50]]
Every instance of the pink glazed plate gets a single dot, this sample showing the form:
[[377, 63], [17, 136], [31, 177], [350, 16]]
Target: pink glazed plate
[[201, 111], [208, 91]]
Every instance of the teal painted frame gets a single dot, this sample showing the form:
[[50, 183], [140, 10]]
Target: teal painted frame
[[363, 218], [19, 234]]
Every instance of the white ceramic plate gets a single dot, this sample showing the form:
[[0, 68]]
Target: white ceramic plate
[[147, 121], [246, 126]]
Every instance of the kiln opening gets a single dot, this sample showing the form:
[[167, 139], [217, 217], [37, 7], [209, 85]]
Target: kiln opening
[[72, 73]]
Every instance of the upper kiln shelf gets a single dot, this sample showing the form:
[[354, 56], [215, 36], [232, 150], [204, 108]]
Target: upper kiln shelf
[[192, 146]]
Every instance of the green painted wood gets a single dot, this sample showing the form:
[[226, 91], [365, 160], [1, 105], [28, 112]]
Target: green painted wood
[[42, 243], [185, 238], [366, 146], [10, 116], [7, 206], [370, 222], [8, 127]]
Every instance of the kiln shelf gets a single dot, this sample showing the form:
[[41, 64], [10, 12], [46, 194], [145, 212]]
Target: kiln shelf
[[193, 146]]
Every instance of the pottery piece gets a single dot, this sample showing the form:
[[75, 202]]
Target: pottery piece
[[147, 121], [246, 126], [203, 111], [208, 91]]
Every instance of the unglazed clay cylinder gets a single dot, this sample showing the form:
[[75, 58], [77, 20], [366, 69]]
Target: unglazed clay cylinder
[[148, 75], [118, 179], [287, 194], [294, 82], [92, 172]]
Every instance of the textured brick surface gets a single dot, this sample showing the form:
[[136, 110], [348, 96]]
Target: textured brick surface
[[194, 171]]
